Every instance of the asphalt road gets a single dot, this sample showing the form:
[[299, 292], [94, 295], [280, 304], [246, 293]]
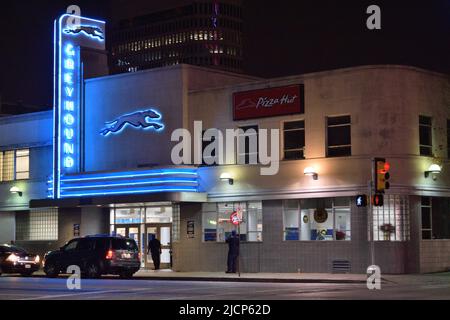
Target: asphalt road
[[37, 288]]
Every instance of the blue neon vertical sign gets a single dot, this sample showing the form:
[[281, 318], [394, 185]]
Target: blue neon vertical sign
[[72, 35]]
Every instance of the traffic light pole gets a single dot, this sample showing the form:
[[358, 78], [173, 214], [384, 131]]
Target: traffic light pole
[[370, 225], [371, 185]]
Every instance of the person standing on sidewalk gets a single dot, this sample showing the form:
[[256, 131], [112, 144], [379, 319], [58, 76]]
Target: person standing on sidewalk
[[154, 247], [233, 252]]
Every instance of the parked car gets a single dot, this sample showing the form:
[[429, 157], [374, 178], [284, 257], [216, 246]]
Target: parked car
[[16, 260], [95, 256]]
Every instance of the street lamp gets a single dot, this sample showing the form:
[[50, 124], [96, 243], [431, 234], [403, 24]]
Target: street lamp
[[434, 169], [14, 190], [310, 171], [227, 177]]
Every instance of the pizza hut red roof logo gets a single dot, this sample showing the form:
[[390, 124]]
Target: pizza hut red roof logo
[[268, 102]]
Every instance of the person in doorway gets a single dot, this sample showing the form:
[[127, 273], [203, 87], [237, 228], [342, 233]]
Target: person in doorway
[[154, 247], [233, 252]]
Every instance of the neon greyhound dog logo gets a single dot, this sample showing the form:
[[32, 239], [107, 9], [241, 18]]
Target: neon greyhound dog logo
[[136, 119], [94, 32]]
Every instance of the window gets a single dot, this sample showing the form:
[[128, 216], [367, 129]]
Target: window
[[14, 165], [425, 137], [435, 218], [37, 225], [391, 221], [86, 244], [294, 139], [248, 145], [448, 138], [339, 136], [22, 164], [317, 219], [426, 217], [72, 245], [217, 225]]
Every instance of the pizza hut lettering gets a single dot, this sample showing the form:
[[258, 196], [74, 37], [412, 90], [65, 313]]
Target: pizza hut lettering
[[268, 102]]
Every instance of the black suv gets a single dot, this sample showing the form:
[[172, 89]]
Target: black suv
[[95, 255]]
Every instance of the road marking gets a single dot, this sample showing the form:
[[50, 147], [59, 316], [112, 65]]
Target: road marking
[[83, 293]]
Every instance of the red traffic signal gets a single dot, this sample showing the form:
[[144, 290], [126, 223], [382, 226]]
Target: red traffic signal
[[381, 175], [377, 200]]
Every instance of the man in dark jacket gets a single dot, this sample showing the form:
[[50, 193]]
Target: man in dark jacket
[[233, 252], [154, 247]]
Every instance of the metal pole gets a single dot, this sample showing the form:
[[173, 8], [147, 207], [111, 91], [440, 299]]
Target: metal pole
[[239, 254], [371, 226], [371, 190]]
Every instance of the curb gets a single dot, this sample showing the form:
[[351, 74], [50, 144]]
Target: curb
[[225, 279]]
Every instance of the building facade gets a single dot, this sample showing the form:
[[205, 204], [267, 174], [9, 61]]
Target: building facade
[[290, 221], [202, 33]]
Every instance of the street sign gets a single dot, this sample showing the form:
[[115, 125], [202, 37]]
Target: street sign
[[234, 218], [361, 200]]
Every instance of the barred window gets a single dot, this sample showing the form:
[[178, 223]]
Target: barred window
[[427, 229], [217, 225], [391, 221], [37, 225], [14, 165]]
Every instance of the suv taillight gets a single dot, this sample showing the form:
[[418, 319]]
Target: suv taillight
[[109, 255]]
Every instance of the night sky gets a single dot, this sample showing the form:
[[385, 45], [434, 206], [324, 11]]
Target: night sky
[[281, 37]]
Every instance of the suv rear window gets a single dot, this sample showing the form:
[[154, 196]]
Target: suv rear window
[[124, 244], [13, 249]]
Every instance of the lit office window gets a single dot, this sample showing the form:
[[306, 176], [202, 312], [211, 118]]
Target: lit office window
[[339, 136], [391, 221], [317, 219], [37, 225], [425, 136], [294, 139], [22, 164], [217, 225], [14, 165]]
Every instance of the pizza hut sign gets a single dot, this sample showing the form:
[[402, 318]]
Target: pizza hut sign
[[268, 102]]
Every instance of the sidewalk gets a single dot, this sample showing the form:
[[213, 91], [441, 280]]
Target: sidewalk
[[167, 274]]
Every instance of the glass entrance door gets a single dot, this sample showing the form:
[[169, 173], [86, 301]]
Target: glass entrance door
[[162, 232]]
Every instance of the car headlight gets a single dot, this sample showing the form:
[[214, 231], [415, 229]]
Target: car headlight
[[37, 259], [12, 258]]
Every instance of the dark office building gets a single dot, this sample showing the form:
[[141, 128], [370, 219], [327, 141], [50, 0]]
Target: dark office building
[[203, 33]]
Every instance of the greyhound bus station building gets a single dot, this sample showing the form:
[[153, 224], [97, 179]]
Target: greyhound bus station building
[[111, 170]]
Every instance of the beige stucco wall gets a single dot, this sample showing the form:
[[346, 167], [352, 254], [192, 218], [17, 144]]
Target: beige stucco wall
[[384, 103]]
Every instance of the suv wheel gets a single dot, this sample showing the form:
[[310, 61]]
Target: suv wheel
[[93, 271], [51, 270]]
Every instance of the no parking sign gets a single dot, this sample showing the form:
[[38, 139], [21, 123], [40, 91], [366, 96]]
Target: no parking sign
[[235, 218]]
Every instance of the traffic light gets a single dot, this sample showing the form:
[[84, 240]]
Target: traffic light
[[381, 175], [377, 200], [361, 200]]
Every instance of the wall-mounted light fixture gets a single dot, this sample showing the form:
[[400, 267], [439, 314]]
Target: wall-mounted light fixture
[[16, 190], [434, 169], [227, 177], [310, 171]]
